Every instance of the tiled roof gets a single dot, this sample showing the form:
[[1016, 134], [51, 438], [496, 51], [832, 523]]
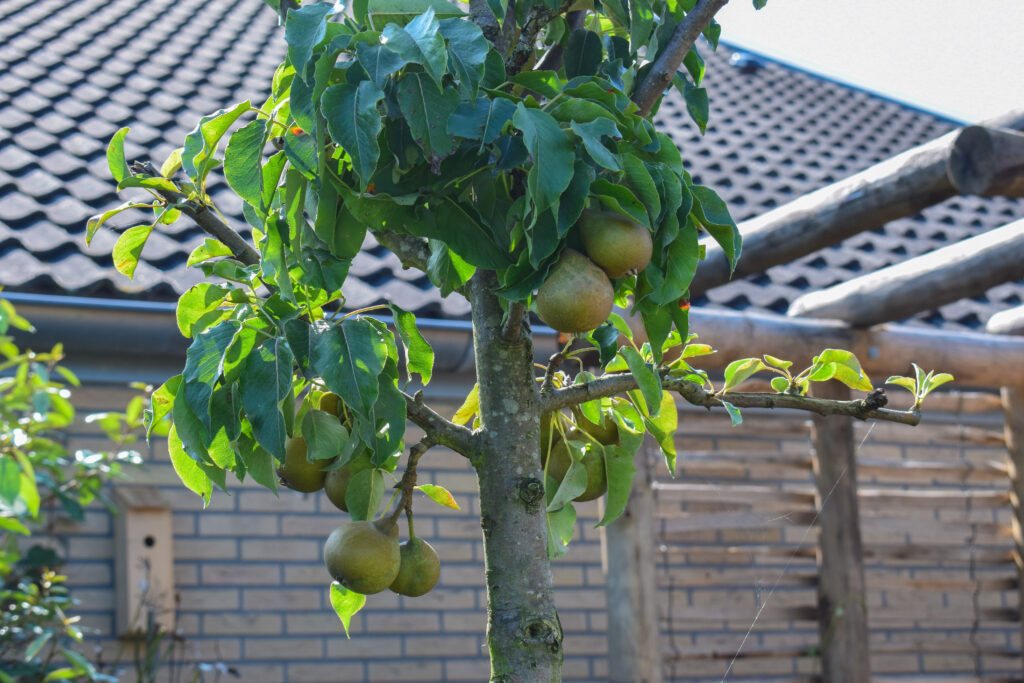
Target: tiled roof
[[72, 74]]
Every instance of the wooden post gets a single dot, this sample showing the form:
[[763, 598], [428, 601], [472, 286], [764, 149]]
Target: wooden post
[[634, 634], [1013, 411], [842, 600], [1012, 322]]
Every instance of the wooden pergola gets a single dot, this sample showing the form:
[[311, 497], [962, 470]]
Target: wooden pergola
[[984, 160]]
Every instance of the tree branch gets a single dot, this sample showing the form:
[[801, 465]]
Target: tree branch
[[683, 38], [514, 324], [481, 15], [552, 61], [412, 251], [539, 17], [609, 385], [205, 218], [444, 432]]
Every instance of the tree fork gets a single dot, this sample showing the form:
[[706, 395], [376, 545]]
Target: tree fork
[[524, 636]]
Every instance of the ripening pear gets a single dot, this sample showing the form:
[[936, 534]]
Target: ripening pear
[[419, 571], [606, 433], [297, 472], [364, 556], [337, 481], [615, 243], [593, 463], [577, 296]]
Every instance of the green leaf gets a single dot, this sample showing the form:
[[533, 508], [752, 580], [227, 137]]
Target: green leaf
[[401, 12], [201, 144], [694, 64], [842, 365], [467, 50], [780, 384], [464, 232], [907, 383], [188, 470], [161, 403], [99, 219], [590, 134], [300, 149], [203, 362], [641, 24], [115, 156], [172, 164], [481, 120], [697, 104], [646, 379], [439, 495], [561, 525], [619, 198], [324, 435], [10, 481], [552, 155], [263, 385], [759, 4], [936, 381], [354, 123], [711, 212], [197, 303], [346, 603], [734, 413], [546, 83], [349, 357], [419, 354], [427, 110], [259, 463], [639, 180], [739, 371], [619, 470], [583, 54], [419, 42], [242, 162], [209, 249], [364, 494], [777, 362], [446, 269], [304, 28], [128, 248], [378, 62]]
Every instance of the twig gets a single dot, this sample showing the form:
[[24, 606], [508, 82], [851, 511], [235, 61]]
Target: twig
[[539, 17], [408, 481], [552, 61], [683, 38], [513, 326], [695, 394], [443, 432], [206, 219]]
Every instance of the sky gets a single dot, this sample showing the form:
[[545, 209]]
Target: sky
[[960, 58]]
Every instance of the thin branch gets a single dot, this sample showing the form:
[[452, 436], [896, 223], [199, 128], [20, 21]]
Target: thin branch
[[554, 362], [408, 480], [412, 251], [540, 15], [552, 61], [683, 38], [513, 327], [444, 432], [695, 394], [480, 14], [206, 219]]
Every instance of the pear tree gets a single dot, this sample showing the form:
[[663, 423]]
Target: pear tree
[[505, 149]]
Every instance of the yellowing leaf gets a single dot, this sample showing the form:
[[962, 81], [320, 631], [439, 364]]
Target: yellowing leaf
[[469, 407], [439, 495]]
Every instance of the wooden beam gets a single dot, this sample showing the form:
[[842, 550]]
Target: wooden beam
[[842, 597], [988, 162], [964, 269], [1010, 321], [627, 544], [975, 359], [897, 187]]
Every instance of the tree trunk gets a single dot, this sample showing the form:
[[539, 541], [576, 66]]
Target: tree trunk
[[524, 636]]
